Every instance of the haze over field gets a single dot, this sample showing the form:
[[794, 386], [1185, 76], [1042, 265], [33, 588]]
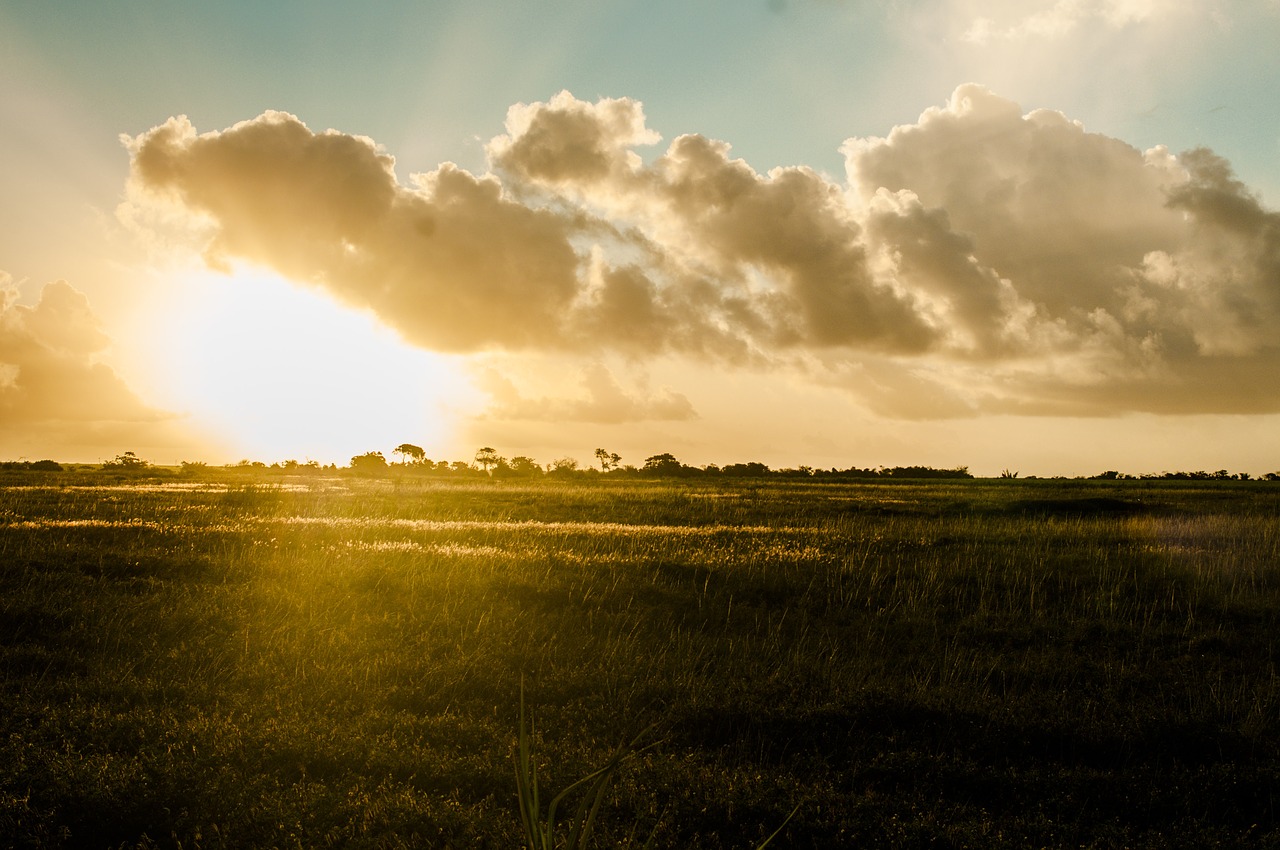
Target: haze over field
[[1037, 236]]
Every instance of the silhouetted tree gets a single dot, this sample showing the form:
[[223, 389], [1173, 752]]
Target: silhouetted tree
[[563, 466], [525, 467], [924, 472], [126, 461], [409, 450], [663, 464], [369, 463], [487, 458], [38, 465], [608, 460], [754, 469]]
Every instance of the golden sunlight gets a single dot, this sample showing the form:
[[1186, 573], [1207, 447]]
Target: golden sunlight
[[281, 373]]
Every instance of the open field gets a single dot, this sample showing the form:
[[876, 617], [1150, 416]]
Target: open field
[[325, 663]]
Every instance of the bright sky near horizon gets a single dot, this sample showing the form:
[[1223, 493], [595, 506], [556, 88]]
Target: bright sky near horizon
[[1039, 235]]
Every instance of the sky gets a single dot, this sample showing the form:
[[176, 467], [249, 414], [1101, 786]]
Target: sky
[[1039, 236]]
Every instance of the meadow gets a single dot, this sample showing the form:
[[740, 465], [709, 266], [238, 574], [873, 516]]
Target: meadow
[[217, 661]]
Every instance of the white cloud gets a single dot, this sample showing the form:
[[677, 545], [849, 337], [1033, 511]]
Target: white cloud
[[1100, 270], [977, 259]]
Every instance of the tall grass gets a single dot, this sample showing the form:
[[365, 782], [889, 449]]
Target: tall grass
[[999, 664]]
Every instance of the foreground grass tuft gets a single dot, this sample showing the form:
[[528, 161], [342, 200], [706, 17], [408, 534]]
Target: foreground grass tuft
[[542, 830]]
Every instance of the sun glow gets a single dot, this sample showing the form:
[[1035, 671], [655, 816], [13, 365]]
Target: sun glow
[[277, 372]]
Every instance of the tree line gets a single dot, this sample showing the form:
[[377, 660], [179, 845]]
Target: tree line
[[488, 463]]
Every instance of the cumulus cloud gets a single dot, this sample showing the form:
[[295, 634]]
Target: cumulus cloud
[[1137, 280], [448, 261], [981, 258], [567, 141], [50, 378], [785, 255]]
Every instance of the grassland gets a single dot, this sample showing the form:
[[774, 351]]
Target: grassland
[[338, 663]]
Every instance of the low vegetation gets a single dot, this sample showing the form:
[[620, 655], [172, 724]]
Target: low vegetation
[[252, 659]]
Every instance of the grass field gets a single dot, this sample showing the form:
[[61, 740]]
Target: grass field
[[338, 663]]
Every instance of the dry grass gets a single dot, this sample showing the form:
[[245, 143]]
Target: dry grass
[[338, 663]]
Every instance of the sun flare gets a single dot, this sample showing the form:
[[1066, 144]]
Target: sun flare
[[283, 373]]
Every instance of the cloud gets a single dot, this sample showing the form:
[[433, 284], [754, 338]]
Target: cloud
[[50, 378], [783, 253], [569, 141], [1089, 274], [979, 259], [605, 402], [709, 258], [448, 261]]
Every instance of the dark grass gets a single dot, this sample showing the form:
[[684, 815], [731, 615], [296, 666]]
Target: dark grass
[[941, 664]]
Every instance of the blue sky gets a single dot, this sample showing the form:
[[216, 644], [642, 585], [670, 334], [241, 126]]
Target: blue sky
[[784, 82]]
